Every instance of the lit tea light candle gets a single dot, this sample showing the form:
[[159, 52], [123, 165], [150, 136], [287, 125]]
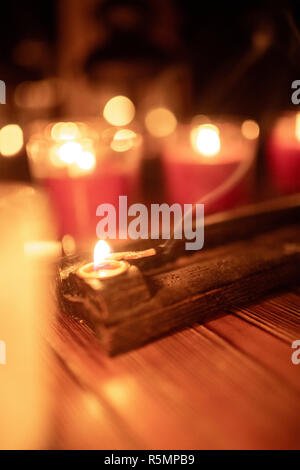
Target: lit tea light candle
[[199, 159], [284, 153], [104, 266]]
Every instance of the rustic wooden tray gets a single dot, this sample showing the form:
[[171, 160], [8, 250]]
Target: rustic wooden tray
[[248, 253]]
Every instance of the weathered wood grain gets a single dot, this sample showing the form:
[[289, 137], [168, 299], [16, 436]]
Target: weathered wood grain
[[245, 222], [138, 307], [228, 384]]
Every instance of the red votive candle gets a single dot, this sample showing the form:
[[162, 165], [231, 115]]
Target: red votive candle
[[81, 169], [198, 159]]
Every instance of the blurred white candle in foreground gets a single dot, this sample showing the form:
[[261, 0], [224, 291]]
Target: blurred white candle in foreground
[[24, 315]]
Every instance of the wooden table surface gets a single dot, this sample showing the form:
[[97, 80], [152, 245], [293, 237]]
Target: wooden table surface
[[227, 384]]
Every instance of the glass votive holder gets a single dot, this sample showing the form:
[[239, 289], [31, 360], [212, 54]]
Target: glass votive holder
[[200, 158], [82, 166]]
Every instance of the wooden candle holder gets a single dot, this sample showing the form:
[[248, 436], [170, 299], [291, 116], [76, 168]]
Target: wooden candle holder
[[248, 253]]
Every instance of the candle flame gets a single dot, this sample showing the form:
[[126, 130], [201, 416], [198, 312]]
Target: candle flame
[[297, 129], [205, 139], [101, 251], [69, 152]]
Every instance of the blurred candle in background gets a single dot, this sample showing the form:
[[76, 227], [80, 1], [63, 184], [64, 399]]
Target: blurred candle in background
[[25, 306], [201, 157], [160, 124], [82, 166], [283, 152]]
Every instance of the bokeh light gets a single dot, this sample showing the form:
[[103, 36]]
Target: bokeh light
[[11, 140], [250, 129], [123, 140], [101, 251], [70, 152], [86, 160], [160, 122], [119, 111]]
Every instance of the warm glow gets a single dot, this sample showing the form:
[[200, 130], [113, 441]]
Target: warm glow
[[120, 391], [124, 134], [55, 158], [123, 140], [64, 131], [39, 94], [195, 131], [101, 251], [297, 129], [68, 244], [119, 111], [43, 249], [70, 152], [92, 405], [86, 160], [160, 122], [11, 140], [205, 139], [250, 129]]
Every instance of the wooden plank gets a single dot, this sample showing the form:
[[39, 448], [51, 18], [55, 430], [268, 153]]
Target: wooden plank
[[245, 222], [135, 308], [224, 385]]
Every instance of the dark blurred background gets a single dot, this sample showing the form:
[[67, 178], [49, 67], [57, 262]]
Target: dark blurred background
[[194, 56]]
